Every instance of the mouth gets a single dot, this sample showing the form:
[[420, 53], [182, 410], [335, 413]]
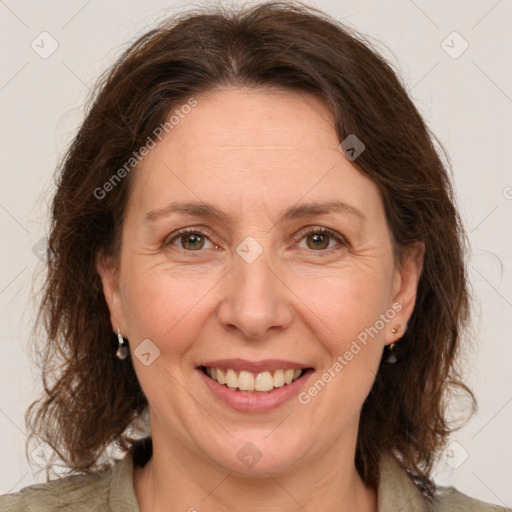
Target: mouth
[[254, 387], [246, 381]]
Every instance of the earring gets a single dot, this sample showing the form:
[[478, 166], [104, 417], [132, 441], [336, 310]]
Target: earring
[[122, 349], [391, 358]]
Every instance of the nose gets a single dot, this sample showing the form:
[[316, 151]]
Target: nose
[[257, 301]]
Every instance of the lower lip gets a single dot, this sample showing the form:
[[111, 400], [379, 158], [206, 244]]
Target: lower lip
[[255, 401]]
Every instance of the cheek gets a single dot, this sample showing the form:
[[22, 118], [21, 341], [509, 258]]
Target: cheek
[[344, 304], [356, 308], [350, 328], [164, 305]]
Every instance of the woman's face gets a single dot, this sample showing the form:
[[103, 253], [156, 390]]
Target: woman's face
[[249, 290]]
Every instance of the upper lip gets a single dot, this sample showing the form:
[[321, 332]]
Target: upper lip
[[254, 366]]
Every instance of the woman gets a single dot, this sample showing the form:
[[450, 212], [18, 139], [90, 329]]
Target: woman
[[254, 242]]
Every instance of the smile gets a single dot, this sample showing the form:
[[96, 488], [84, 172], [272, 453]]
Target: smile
[[246, 381], [254, 386]]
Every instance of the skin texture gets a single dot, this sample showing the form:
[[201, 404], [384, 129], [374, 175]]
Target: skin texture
[[253, 154]]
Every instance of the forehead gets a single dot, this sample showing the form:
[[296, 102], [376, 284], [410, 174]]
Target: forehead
[[248, 146]]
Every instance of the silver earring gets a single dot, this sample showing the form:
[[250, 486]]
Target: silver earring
[[122, 349], [391, 358]]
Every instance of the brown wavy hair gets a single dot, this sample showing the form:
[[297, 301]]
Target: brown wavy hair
[[91, 398]]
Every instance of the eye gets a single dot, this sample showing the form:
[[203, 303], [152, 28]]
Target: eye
[[189, 239], [319, 239], [316, 238]]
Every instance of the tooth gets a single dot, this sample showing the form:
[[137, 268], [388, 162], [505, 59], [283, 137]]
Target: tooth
[[231, 379], [246, 381], [221, 378], [264, 381], [288, 376], [278, 378]]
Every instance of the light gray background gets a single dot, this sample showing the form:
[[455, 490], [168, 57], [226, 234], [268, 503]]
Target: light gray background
[[466, 100]]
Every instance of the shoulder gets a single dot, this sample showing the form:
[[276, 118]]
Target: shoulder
[[106, 490], [77, 492], [102, 491], [449, 499], [398, 491]]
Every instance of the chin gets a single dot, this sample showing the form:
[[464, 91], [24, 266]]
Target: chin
[[258, 456]]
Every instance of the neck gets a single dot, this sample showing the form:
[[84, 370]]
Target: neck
[[176, 480]]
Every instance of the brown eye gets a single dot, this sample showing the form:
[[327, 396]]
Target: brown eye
[[193, 241], [317, 241]]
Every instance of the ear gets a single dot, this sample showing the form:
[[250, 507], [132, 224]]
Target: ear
[[110, 281], [405, 286]]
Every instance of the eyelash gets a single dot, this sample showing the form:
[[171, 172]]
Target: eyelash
[[302, 234]]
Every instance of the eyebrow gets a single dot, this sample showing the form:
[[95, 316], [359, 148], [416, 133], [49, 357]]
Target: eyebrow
[[210, 211]]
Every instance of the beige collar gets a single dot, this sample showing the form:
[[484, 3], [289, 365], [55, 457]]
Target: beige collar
[[397, 492]]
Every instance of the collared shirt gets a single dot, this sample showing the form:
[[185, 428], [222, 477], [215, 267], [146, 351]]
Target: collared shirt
[[112, 490]]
